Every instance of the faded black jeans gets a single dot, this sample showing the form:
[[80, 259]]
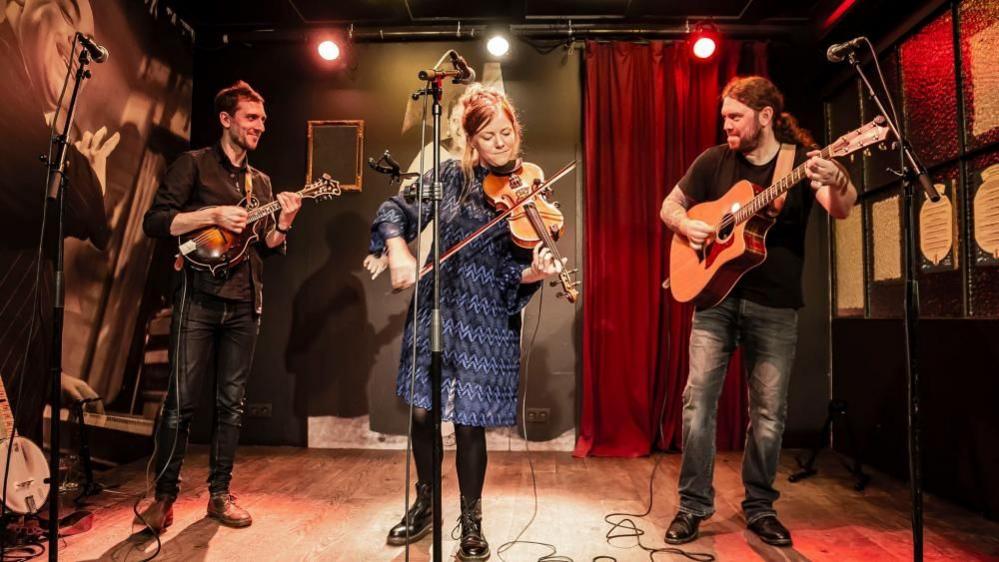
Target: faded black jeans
[[212, 338], [768, 337]]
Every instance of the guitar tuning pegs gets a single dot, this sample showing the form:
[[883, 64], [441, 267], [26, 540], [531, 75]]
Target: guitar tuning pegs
[[867, 152], [853, 158]]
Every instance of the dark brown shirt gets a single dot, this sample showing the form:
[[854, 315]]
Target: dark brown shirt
[[205, 178]]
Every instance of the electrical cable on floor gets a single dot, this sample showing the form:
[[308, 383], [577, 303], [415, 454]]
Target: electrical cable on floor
[[176, 435], [626, 522], [552, 556]]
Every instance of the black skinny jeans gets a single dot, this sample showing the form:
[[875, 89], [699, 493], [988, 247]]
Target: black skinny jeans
[[212, 338]]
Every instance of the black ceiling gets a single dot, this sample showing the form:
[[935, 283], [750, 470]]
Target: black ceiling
[[260, 14]]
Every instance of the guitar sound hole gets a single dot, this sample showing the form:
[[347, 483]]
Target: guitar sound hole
[[725, 228]]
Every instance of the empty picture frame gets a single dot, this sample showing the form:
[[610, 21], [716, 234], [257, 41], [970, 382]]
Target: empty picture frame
[[336, 148]]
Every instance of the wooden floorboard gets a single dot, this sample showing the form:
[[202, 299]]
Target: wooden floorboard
[[336, 505]]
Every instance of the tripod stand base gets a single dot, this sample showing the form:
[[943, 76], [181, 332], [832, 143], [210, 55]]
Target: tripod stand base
[[837, 410]]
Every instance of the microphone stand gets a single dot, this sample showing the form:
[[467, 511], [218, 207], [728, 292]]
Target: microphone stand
[[913, 174], [56, 194], [435, 193]]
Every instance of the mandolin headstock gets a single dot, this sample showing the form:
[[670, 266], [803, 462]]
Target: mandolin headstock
[[322, 189]]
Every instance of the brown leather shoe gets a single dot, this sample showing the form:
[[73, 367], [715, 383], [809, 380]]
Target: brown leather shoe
[[157, 515], [223, 507]]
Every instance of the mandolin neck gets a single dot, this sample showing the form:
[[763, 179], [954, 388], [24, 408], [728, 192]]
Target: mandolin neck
[[262, 211]]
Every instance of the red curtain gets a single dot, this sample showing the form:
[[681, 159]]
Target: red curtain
[[649, 111]]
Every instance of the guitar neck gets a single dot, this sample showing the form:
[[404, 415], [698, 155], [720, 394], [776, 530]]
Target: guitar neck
[[780, 187]]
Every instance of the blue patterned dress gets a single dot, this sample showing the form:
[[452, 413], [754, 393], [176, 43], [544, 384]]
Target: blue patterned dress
[[481, 300]]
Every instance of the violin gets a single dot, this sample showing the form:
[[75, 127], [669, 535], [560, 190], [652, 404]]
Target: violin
[[522, 196], [534, 222]]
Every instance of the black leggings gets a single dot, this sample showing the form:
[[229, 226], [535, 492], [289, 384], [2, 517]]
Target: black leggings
[[471, 455]]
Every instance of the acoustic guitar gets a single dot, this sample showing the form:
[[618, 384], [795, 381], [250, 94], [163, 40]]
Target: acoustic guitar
[[706, 276], [216, 249], [28, 469]]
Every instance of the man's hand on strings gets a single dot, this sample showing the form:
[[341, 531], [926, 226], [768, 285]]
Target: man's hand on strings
[[825, 173], [697, 232]]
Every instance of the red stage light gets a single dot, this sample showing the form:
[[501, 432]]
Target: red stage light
[[704, 41], [329, 50], [704, 47]]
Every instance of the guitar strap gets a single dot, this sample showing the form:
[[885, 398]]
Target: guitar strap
[[785, 162]]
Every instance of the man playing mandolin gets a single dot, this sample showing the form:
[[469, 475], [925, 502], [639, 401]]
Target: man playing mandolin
[[760, 312], [215, 316]]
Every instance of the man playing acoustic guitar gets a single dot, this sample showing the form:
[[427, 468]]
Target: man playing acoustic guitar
[[215, 317], [760, 312]]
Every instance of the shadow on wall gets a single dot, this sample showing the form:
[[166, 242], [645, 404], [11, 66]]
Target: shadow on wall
[[332, 345]]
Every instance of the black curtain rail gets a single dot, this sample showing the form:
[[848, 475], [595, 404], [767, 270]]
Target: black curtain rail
[[475, 32]]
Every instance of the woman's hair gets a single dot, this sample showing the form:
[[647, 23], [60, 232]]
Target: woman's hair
[[757, 92], [481, 105]]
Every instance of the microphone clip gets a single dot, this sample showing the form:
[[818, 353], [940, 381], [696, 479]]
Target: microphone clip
[[386, 165]]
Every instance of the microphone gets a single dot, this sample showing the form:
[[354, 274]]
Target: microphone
[[466, 74], [98, 53], [838, 51]]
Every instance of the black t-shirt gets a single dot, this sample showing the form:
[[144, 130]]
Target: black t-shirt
[[777, 281]]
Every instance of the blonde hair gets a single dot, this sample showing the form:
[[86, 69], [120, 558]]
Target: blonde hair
[[480, 105]]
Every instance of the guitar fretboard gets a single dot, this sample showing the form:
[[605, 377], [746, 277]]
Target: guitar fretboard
[[768, 195]]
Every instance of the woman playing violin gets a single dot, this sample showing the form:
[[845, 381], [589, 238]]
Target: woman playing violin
[[484, 287]]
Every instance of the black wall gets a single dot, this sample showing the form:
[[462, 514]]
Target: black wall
[[330, 338], [955, 353]]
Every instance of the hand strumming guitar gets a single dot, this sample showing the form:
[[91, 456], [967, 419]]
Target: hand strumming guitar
[[697, 232]]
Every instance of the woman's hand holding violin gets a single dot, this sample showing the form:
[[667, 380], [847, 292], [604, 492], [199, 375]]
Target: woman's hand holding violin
[[543, 265]]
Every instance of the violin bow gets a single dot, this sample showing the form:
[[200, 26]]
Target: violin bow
[[471, 237]]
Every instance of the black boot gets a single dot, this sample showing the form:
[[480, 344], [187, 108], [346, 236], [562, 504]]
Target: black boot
[[417, 522], [473, 542]]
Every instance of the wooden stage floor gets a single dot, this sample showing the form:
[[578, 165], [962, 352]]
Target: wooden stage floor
[[336, 505]]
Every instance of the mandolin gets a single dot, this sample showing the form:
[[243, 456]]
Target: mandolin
[[706, 276], [216, 249]]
